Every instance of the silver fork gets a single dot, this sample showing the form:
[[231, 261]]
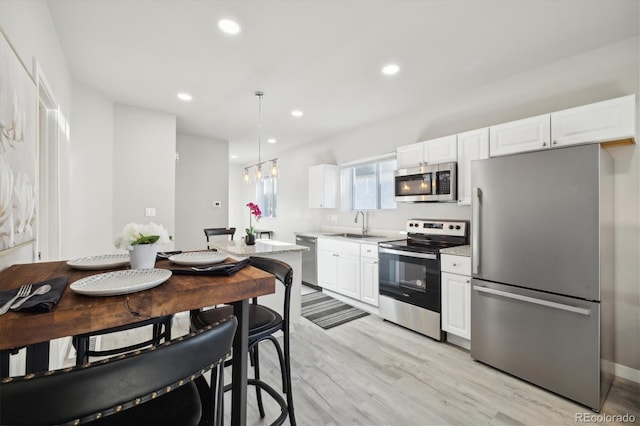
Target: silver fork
[[22, 292]]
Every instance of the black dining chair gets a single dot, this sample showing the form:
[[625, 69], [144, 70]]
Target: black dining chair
[[160, 385], [160, 330], [208, 232], [263, 324]]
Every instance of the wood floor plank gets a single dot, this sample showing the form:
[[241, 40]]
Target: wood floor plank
[[372, 372]]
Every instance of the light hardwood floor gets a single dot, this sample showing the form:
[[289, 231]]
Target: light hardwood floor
[[372, 372]]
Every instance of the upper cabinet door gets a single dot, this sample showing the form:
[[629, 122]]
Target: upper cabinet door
[[473, 145], [323, 186], [530, 134], [441, 150], [409, 155], [599, 122]]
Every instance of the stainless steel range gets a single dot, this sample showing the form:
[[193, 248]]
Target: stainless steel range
[[410, 273]]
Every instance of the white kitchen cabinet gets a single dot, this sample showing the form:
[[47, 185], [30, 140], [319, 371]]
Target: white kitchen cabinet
[[369, 274], [456, 304], [339, 266], [349, 268], [529, 134], [456, 295], [348, 275], [440, 150], [409, 155], [598, 122], [472, 145], [324, 181], [326, 269]]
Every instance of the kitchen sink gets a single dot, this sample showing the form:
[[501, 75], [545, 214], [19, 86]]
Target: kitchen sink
[[349, 235]]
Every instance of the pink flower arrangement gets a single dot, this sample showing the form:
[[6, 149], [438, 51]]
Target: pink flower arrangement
[[254, 210]]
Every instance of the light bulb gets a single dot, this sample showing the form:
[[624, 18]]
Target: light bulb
[[274, 169], [246, 176], [259, 173]]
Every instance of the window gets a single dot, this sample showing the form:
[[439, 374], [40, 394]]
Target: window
[[266, 196], [369, 185]]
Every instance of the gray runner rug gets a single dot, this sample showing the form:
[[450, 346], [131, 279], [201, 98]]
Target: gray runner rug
[[328, 312]]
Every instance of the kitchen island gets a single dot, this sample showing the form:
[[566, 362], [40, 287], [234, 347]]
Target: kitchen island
[[286, 252]]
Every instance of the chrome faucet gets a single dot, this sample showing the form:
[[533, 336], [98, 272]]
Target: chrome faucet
[[364, 227]]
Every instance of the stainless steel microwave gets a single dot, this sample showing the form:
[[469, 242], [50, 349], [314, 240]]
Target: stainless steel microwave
[[430, 182]]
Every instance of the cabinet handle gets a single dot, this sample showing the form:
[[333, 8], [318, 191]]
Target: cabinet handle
[[454, 264], [468, 281], [544, 144], [555, 142]]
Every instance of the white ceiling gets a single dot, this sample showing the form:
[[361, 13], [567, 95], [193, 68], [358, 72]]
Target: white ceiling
[[323, 57]]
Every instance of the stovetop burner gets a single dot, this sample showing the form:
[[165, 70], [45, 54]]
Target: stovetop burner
[[431, 236]]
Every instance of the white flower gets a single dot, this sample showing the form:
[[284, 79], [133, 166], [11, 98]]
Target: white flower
[[135, 233]]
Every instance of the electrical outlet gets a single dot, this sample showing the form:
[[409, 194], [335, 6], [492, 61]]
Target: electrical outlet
[[150, 211]]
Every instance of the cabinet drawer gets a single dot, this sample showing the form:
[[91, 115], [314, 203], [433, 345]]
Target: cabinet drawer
[[455, 264], [369, 251]]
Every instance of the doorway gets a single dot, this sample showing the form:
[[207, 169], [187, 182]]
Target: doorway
[[48, 242]]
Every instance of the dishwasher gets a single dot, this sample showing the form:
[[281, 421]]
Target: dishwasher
[[309, 261]]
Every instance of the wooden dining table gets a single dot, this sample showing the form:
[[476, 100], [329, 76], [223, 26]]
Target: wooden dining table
[[76, 314]]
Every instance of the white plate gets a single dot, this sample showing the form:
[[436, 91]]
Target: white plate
[[120, 282], [105, 261], [198, 258]]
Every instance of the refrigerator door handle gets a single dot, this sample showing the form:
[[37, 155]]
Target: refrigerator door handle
[[475, 230], [561, 306]]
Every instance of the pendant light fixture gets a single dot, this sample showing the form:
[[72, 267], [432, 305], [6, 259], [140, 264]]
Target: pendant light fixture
[[258, 166]]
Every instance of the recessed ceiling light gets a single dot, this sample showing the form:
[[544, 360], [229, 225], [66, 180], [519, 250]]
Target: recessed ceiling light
[[184, 97], [390, 69], [234, 157], [271, 140], [228, 26], [297, 113]]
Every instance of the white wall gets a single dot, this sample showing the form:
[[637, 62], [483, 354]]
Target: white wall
[[596, 75], [144, 167], [91, 177], [30, 30], [202, 177]]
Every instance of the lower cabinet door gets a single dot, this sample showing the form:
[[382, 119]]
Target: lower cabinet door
[[348, 275], [456, 304], [369, 281], [327, 270]]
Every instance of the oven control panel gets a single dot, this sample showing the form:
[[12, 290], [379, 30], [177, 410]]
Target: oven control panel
[[437, 227]]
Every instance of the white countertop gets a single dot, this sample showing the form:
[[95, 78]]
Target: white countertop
[[262, 247], [334, 235], [458, 250]]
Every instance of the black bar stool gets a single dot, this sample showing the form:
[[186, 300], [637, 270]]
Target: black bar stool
[[263, 323]]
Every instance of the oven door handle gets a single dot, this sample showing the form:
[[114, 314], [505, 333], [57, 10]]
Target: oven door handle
[[408, 253]]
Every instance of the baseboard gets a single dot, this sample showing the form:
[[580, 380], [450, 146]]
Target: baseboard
[[459, 341], [353, 302], [626, 372]]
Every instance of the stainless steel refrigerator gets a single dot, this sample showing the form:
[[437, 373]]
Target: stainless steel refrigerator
[[542, 267]]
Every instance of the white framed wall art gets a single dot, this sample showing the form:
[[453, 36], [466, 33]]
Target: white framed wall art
[[18, 154]]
